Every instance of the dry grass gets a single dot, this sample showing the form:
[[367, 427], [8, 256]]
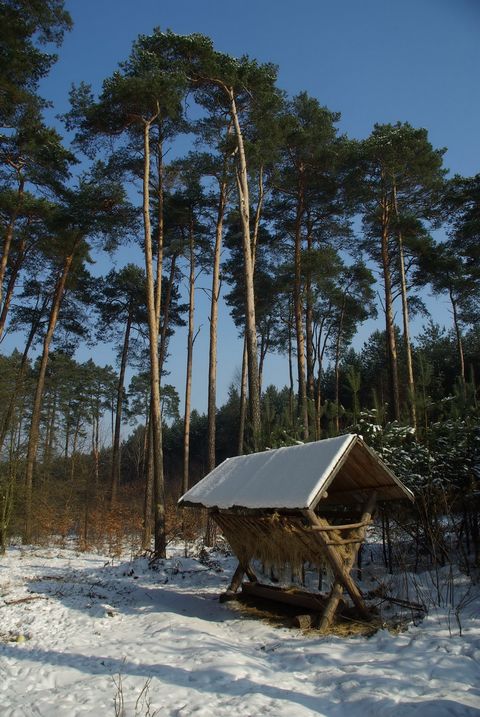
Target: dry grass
[[277, 540], [281, 615]]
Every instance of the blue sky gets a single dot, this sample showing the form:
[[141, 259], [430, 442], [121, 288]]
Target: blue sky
[[371, 60]]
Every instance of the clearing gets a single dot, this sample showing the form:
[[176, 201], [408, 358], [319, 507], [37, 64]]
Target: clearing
[[81, 634]]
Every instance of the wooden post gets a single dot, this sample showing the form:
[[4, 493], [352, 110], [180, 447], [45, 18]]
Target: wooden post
[[339, 569], [240, 571], [337, 589], [237, 578]]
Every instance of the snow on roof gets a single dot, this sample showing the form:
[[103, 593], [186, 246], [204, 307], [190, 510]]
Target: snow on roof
[[289, 477]]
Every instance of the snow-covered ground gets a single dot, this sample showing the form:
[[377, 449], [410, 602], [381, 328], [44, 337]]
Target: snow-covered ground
[[92, 632]]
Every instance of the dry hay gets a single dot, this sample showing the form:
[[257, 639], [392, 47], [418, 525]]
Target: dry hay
[[279, 540], [281, 615]]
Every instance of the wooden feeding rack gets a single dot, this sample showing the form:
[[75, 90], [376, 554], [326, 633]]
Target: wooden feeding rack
[[309, 503]]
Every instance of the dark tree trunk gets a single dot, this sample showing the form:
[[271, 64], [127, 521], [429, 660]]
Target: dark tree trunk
[[188, 380], [11, 284], [298, 312], [115, 477], [37, 402], [394, 408]]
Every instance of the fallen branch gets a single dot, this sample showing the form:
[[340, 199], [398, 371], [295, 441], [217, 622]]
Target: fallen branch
[[403, 603], [25, 599]]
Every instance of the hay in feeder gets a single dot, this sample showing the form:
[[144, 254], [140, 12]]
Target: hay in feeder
[[279, 541]]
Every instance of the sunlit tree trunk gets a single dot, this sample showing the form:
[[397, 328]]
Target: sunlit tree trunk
[[148, 497], [250, 324], [212, 360], [210, 533], [243, 401], [160, 231], [244, 376], [159, 491], [166, 313]]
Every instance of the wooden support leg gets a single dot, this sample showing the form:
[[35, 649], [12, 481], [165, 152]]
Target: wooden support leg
[[240, 571], [336, 593], [331, 607], [237, 578], [342, 571]]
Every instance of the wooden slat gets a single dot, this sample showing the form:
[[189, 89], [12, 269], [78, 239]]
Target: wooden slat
[[347, 526]]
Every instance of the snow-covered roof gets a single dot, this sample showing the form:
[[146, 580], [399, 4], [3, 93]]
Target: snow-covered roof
[[296, 477]]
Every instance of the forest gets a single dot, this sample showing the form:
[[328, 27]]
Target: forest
[[304, 233]]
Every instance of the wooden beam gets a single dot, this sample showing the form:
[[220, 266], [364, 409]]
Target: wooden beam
[[298, 598], [364, 489], [347, 526], [237, 577], [341, 573], [337, 589], [344, 542]]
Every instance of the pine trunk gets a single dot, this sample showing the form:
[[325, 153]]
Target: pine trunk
[[148, 498], [298, 311], [250, 324], [11, 285], [309, 329], [37, 402], [74, 449], [291, 390], [188, 380], [166, 314], [212, 360], [18, 379], [7, 242], [96, 447], [159, 491], [48, 447], [337, 368], [160, 237], [458, 334], [394, 408], [406, 324], [243, 402], [115, 477]]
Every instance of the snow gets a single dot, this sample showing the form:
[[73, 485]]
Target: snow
[[94, 630], [288, 477]]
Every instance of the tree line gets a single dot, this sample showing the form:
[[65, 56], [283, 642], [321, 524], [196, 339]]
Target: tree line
[[305, 232]]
